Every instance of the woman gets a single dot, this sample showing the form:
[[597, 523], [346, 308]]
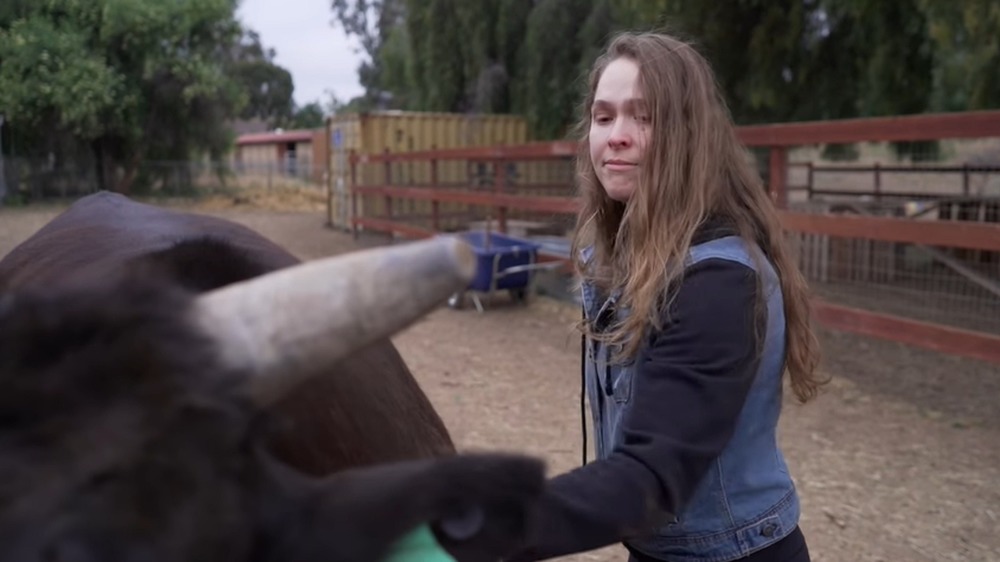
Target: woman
[[693, 311]]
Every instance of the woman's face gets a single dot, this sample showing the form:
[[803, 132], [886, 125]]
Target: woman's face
[[619, 129]]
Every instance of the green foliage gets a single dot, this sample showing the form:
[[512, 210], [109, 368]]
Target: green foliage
[[548, 83], [485, 78], [593, 35], [117, 82], [443, 82], [967, 53], [371, 22], [47, 76], [396, 70], [776, 60], [633, 14], [713, 26], [309, 116], [267, 87]]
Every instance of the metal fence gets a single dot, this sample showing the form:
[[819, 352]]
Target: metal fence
[[923, 270], [911, 255]]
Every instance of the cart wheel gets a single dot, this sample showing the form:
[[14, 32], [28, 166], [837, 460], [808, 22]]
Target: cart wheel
[[456, 301], [519, 295]]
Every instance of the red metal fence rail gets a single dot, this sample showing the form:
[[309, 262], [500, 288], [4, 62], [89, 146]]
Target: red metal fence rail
[[879, 171], [501, 201]]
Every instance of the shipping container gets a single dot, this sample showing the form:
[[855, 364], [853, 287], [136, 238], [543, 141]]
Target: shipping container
[[405, 131]]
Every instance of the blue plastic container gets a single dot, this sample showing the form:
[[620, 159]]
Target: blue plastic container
[[495, 253]]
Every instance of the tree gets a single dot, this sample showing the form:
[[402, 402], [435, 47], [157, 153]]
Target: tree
[[49, 77], [371, 21], [436, 33], [549, 79], [129, 79], [309, 116], [793, 60], [776, 60], [268, 87], [966, 54]]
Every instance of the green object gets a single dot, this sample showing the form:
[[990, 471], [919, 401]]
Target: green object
[[418, 545]]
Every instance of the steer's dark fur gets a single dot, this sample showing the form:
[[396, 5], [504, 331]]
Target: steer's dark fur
[[122, 437], [373, 392]]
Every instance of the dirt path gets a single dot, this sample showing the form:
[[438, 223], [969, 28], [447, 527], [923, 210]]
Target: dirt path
[[899, 460]]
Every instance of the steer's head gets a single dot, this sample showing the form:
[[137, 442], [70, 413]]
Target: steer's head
[[132, 421]]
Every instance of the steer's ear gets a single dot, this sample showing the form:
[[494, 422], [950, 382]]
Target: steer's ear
[[479, 507]]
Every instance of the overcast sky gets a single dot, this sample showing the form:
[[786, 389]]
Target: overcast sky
[[318, 55]]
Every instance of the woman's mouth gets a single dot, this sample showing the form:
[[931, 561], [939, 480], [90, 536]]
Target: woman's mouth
[[617, 165]]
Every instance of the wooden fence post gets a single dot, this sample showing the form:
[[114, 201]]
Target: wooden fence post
[[778, 176]]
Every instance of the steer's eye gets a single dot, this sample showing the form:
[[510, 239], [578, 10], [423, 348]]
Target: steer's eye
[[464, 524]]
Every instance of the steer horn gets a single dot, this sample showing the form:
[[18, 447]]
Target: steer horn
[[289, 325]]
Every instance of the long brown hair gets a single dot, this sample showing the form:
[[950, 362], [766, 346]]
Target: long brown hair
[[694, 167]]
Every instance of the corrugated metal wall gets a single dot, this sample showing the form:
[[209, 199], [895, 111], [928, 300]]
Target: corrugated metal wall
[[402, 131]]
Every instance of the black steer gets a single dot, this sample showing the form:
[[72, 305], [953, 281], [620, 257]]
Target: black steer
[[176, 387]]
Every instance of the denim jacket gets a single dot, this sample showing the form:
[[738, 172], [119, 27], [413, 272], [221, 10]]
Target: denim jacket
[[747, 500]]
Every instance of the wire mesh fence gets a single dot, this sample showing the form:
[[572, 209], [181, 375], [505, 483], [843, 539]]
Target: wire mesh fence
[[935, 284], [946, 180], [34, 180]]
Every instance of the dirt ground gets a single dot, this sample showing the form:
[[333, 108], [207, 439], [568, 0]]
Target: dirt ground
[[898, 460]]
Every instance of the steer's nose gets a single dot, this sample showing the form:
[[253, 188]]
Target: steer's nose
[[464, 524]]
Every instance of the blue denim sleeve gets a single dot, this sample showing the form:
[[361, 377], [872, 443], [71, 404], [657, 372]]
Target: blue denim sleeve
[[686, 398]]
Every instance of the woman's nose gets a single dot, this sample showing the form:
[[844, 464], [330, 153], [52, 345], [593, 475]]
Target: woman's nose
[[620, 136]]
